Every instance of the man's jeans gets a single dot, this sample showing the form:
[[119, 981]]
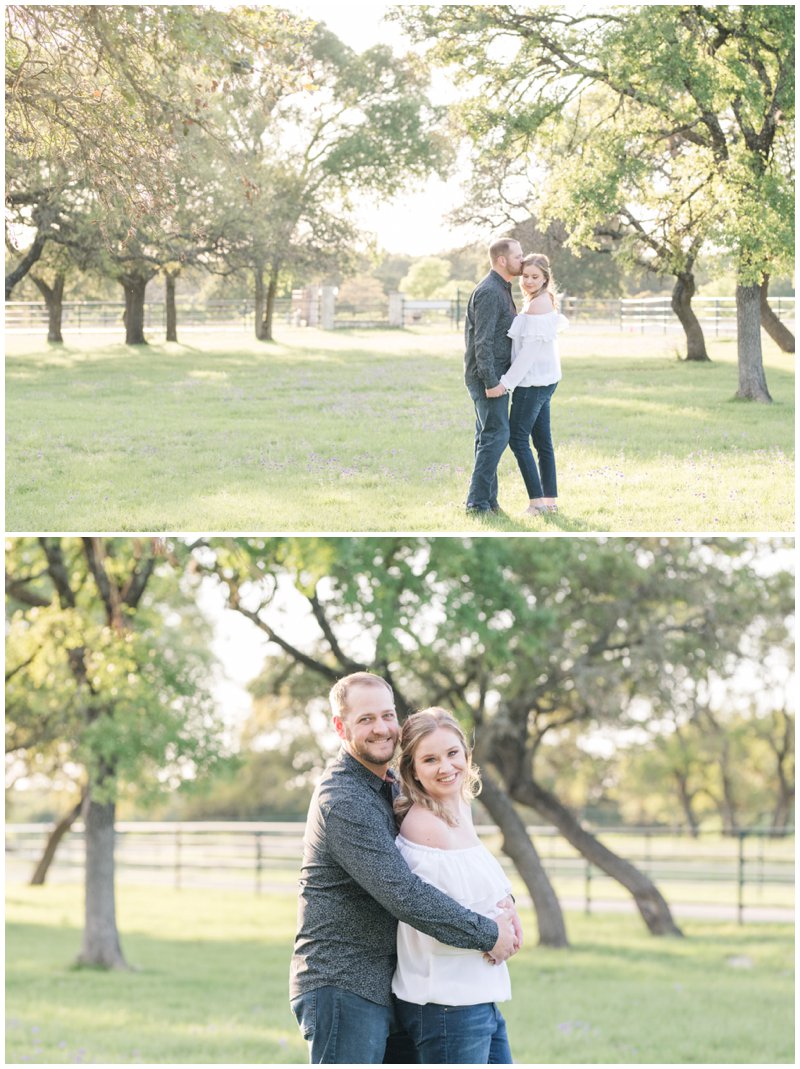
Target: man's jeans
[[343, 1028], [447, 1035], [530, 420], [491, 438]]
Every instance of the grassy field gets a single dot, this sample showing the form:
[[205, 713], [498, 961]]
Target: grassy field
[[362, 430], [211, 974]]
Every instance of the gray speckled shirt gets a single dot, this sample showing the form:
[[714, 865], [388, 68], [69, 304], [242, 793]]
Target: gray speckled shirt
[[490, 313], [355, 886]]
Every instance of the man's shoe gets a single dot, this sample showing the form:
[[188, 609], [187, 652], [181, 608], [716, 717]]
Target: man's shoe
[[478, 510]]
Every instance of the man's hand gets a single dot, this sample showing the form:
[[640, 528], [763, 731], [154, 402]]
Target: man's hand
[[506, 944], [496, 391]]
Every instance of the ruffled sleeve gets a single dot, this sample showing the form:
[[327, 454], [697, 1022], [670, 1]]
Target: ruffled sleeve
[[541, 327], [472, 877]]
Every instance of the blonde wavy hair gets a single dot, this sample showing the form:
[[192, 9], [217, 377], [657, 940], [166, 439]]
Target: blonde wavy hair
[[414, 730], [538, 259]]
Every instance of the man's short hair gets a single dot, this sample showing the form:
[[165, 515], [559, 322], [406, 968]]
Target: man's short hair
[[341, 688], [501, 248]]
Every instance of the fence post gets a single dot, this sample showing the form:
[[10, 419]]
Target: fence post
[[648, 855], [740, 881], [178, 858], [396, 309], [258, 862], [327, 310], [587, 893]]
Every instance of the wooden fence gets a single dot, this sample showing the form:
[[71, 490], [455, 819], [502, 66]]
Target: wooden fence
[[747, 876]]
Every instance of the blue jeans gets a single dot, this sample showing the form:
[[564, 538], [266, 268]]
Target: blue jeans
[[491, 438], [446, 1035], [530, 421], [343, 1028]]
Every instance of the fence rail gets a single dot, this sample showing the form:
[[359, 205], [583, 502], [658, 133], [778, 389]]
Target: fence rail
[[746, 876], [24, 317], [717, 315]]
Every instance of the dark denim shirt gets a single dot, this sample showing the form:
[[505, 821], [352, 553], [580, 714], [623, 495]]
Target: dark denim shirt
[[355, 885], [490, 312]]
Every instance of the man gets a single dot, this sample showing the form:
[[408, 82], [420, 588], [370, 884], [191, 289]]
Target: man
[[490, 312], [355, 885]]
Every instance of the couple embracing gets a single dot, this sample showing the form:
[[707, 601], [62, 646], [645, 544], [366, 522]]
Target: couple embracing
[[513, 354], [405, 920]]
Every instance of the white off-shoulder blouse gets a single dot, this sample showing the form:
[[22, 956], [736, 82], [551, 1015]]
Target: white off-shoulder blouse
[[429, 971], [534, 350]]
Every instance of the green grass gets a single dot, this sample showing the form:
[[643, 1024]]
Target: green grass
[[211, 986], [362, 430]]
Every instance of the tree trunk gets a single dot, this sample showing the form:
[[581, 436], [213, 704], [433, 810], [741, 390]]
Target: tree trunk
[[169, 304], [752, 382], [101, 947], [54, 299], [784, 806], [649, 901], [272, 288], [779, 333], [518, 846], [730, 820], [686, 799], [134, 287], [25, 264], [682, 293], [259, 300], [55, 837]]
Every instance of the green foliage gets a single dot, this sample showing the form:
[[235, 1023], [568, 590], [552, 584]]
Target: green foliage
[[546, 645], [664, 126], [391, 269], [118, 701], [454, 287], [425, 277]]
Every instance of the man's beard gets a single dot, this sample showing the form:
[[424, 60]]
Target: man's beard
[[374, 757]]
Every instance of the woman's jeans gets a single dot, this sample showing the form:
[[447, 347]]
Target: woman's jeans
[[530, 420], [447, 1035]]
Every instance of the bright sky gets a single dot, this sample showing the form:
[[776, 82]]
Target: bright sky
[[412, 223]]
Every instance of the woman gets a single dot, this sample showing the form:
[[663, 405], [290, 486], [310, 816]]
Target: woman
[[446, 997], [533, 376]]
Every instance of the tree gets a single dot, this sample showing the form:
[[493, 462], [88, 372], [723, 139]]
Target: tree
[[522, 640], [425, 277], [606, 193], [712, 82], [106, 94], [105, 674], [50, 277], [391, 269], [361, 123]]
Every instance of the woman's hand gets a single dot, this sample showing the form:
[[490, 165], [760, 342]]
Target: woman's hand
[[496, 391], [509, 905]]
